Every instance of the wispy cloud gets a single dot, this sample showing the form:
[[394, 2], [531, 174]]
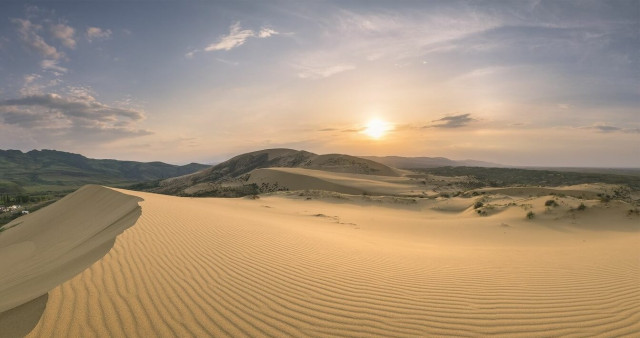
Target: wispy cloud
[[53, 66], [237, 37], [64, 33], [266, 32], [453, 121], [28, 33], [320, 72], [607, 128], [97, 33]]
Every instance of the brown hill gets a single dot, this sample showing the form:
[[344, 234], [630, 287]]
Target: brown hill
[[231, 173]]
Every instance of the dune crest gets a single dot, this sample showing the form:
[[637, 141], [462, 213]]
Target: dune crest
[[44, 249]]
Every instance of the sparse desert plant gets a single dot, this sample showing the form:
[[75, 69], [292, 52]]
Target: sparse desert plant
[[582, 207], [531, 215], [631, 212], [481, 212], [478, 205], [550, 203]]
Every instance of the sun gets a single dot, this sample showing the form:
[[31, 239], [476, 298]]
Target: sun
[[376, 128]]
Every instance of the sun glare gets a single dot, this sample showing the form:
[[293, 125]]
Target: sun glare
[[377, 128]]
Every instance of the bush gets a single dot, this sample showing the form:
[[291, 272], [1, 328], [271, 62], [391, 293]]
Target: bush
[[582, 206], [478, 205], [531, 215], [550, 203]]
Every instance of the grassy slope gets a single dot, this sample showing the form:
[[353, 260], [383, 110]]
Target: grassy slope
[[49, 170]]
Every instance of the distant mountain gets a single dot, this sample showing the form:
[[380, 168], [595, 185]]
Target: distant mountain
[[236, 167], [428, 162], [58, 170]]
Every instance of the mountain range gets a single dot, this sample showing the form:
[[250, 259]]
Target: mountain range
[[41, 170]]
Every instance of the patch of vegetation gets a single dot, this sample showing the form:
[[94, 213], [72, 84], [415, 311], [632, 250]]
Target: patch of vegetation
[[478, 205], [502, 177], [531, 215], [550, 203], [142, 186], [27, 201], [582, 207]]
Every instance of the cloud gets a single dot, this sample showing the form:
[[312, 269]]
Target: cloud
[[52, 65], [29, 78], [266, 32], [453, 121], [28, 33], [606, 128], [320, 72], [97, 33], [237, 37], [78, 116], [35, 84], [65, 34]]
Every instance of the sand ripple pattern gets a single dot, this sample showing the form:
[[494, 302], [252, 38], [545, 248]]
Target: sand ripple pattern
[[198, 268]]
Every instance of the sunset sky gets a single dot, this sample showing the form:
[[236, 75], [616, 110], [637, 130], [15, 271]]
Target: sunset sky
[[548, 83]]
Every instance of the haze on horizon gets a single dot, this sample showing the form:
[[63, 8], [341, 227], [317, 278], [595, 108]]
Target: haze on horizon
[[541, 83]]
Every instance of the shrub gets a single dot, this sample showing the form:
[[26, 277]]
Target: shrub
[[551, 203], [478, 205], [582, 206], [531, 215]]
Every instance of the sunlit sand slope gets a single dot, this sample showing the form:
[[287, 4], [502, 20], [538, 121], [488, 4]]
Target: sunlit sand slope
[[41, 250], [283, 267], [346, 183]]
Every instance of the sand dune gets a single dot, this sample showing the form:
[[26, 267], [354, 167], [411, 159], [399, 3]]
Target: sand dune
[[41, 250], [346, 183], [288, 266]]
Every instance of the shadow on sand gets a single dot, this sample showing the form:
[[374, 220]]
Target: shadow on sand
[[20, 320]]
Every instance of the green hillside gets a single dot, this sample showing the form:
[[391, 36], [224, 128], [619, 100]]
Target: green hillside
[[51, 170]]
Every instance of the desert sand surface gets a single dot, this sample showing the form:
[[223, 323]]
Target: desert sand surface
[[326, 264]]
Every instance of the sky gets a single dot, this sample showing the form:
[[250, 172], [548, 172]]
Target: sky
[[530, 83]]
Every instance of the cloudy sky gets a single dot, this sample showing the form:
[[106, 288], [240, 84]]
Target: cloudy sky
[[515, 82]]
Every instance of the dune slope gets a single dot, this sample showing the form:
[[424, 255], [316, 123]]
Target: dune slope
[[43, 249], [287, 267]]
